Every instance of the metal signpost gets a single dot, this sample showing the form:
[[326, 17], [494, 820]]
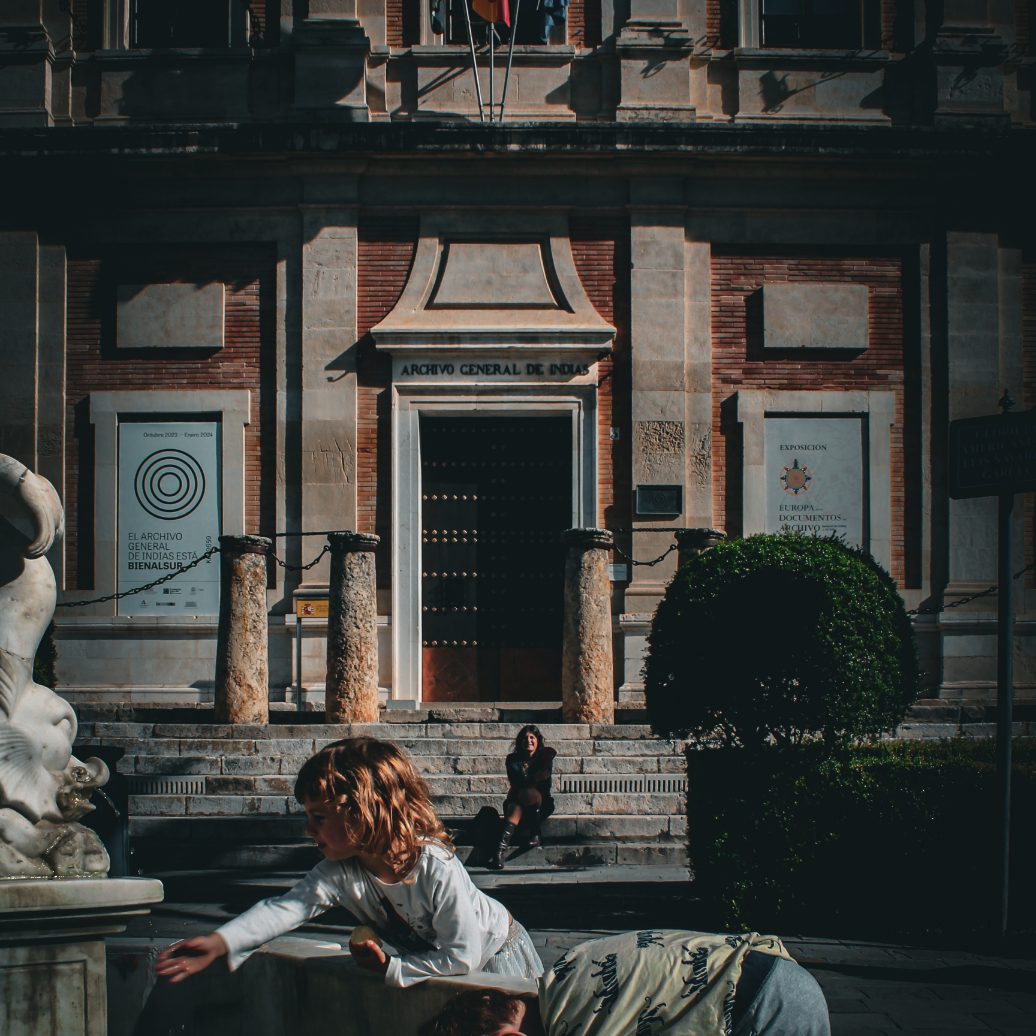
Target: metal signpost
[[996, 456]]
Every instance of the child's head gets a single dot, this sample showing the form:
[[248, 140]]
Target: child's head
[[477, 1012], [376, 794]]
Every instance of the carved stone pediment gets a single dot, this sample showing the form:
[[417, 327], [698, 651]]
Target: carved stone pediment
[[493, 284]]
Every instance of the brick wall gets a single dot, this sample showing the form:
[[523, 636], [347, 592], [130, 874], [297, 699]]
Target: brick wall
[[600, 247], [93, 364], [721, 23], [386, 247], [738, 362], [888, 24]]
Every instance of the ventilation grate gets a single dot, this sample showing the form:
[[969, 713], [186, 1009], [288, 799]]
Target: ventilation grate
[[635, 783], [167, 785]]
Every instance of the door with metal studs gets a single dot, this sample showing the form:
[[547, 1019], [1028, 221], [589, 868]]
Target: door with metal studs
[[496, 494]]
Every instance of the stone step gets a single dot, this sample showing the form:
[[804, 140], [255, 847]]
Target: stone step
[[264, 843], [560, 736], [420, 749], [460, 804], [174, 781], [514, 714], [272, 870], [274, 829]]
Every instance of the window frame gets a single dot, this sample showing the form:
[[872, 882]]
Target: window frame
[[750, 29], [433, 39], [119, 28]]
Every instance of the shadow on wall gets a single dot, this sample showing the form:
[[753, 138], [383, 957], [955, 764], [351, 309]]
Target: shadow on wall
[[293, 985], [170, 86]]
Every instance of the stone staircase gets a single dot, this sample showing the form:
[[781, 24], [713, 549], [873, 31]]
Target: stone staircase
[[202, 795]]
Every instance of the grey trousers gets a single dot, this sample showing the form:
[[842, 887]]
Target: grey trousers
[[788, 1003]]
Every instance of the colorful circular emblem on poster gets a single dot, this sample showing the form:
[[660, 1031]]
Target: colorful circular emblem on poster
[[796, 478]]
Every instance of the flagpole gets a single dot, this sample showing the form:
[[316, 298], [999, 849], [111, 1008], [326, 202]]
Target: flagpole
[[492, 51], [510, 54], [474, 61]]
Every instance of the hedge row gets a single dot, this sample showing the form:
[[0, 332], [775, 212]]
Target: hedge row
[[894, 838]]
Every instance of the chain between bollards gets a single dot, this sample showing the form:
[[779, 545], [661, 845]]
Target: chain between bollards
[[211, 552]]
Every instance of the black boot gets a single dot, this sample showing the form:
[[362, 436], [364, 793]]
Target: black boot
[[535, 841], [496, 861]]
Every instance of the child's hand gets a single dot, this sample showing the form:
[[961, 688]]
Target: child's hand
[[370, 956], [183, 959]]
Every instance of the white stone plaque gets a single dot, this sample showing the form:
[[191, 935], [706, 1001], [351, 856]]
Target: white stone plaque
[[816, 481], [169, 514]]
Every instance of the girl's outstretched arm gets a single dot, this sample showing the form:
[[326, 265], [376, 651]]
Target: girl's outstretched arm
[[278, 915], [186, 958]]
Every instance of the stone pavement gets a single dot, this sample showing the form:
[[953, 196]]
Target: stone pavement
[[872, 987]]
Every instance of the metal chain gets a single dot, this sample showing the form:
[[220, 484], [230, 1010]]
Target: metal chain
[[148, 586], [633, 561], [299, 568], [988, 592], [184, 568]]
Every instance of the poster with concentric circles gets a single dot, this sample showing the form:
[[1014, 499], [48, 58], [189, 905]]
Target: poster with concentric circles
[[169, 514]]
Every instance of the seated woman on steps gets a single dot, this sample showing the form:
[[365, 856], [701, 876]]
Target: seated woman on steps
[[528, 802]]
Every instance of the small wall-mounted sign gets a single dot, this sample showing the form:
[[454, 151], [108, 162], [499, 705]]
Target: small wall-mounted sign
[[314, 608], [619, 573], [659, 501]]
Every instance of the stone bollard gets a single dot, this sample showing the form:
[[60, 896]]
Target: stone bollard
[[692, 542], [352, 630], [587, 694], [242, 682]]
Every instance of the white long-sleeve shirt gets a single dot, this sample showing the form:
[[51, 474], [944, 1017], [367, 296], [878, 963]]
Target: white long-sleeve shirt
[[436, 917]]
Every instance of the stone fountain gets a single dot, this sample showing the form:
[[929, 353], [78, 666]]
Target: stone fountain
[[56, 901]]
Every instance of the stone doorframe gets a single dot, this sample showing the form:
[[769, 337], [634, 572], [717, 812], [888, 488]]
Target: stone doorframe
[[408, 404], [493, 319]]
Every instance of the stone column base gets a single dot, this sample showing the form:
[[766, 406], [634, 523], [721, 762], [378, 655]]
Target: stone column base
[[52, 966]]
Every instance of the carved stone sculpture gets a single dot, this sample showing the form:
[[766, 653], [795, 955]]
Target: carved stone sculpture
[[44, 789]]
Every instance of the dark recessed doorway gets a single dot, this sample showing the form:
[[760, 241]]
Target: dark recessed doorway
[[496, 494]]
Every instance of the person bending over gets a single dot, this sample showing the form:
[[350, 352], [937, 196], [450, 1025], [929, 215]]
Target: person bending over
[[387, 860], [655, 982], [528, 802]]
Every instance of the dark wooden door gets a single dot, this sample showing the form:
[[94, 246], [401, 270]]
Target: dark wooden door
[[496, 495]]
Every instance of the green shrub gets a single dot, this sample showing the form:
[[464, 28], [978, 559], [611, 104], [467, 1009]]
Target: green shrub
[[780, 639], [878, 840]]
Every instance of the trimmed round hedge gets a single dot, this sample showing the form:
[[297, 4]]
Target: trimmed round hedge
[[778, 639]]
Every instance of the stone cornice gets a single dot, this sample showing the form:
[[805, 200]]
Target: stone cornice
[[313, 138]]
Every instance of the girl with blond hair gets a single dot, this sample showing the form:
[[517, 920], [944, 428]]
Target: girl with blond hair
[[388, 861]]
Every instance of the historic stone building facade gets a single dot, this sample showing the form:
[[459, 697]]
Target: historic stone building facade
[[267, 269]]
